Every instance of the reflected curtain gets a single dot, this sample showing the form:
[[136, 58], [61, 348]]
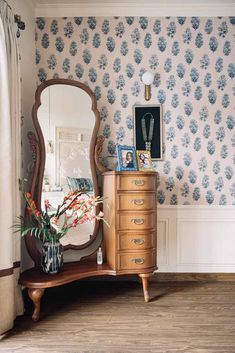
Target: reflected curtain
[[11, 303]]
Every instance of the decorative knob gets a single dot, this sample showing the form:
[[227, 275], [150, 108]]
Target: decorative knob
[[138, 182], [138, 261], [138, 202], [138, 221], [138, 241]]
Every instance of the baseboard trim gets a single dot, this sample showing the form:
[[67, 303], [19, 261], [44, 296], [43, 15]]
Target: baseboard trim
[[170, 277], [193, 277]]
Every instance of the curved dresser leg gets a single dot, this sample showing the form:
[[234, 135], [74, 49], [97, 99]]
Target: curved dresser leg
[[145, 281], [35, 295]]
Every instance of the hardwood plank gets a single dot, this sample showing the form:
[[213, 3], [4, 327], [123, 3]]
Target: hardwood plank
[[111, 317], [182, 276]]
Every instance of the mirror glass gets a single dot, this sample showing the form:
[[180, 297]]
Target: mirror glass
[[67, 122]]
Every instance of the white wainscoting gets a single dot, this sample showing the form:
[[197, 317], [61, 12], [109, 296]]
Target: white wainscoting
[[196, 239]]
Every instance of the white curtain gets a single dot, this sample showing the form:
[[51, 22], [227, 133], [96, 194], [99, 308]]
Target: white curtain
[[11, 303]]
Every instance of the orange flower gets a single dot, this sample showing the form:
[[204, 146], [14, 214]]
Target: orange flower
[[75, 222], [55, 220], [47, 204], [38, 214], [27, 194], [32, 203]]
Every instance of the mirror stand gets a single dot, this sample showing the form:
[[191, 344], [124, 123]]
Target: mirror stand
[[129, 243]]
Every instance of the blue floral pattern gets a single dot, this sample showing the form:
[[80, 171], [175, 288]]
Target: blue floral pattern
[[192, 59]]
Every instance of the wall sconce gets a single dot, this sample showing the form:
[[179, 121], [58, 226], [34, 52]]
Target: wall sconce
[[147, 79]]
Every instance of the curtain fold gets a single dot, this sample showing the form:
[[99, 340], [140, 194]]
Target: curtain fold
[[11, 303]]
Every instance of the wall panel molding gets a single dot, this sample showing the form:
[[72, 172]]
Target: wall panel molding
[[163, 242], [200, 239], [151, 9]]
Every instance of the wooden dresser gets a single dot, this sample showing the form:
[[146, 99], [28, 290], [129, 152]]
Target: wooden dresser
[[130, 207]]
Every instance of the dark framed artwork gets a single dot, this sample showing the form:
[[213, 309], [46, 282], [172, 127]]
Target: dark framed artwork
[[148, 129], [126, 158]]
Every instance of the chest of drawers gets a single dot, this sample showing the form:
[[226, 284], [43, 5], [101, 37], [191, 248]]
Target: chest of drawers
[[130, 207]]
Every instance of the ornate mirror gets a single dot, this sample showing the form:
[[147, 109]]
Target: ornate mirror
[[66, 120]]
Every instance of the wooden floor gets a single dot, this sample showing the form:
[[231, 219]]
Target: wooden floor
[[111, 317]]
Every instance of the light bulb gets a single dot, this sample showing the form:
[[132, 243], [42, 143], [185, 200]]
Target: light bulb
[[147, 78]]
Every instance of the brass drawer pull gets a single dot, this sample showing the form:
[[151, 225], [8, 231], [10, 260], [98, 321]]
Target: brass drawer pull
[[138, 182], [138, 261], [138, 202], [138, 221], [138, 241]]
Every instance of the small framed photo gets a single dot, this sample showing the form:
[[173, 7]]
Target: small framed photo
[[144, 160], [148, 129], [126, 158]]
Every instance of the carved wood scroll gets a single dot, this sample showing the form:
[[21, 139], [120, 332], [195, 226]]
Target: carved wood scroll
[[98, 149]]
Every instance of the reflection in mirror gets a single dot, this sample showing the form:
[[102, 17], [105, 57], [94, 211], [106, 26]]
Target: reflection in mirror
[[67, 122]]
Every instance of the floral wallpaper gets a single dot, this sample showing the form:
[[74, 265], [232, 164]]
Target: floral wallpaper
[[193, 62]]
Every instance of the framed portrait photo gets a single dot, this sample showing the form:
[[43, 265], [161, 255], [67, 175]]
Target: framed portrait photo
[[148, 129], [144, 160], [126, 158]]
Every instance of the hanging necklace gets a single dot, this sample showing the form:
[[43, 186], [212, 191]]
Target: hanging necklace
[[147, 137]]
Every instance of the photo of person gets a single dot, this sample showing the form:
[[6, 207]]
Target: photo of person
[[144, 160], [126, 158]]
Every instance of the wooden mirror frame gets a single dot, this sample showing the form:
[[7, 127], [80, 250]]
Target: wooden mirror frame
[[37, 145]]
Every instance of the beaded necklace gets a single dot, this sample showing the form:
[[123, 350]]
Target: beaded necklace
[[147, 137]]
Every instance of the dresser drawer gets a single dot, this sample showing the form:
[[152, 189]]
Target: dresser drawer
[[135, 220], [136, 182], [136, 241], [136, 261], [136, 201]]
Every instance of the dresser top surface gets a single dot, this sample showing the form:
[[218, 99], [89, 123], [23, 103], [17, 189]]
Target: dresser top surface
[[127, 173]]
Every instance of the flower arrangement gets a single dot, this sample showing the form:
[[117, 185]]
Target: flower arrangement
[[77, 208]]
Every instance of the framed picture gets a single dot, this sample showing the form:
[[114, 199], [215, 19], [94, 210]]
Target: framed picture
[[144, 160], [80, 184], [148, 129], [126, 158]]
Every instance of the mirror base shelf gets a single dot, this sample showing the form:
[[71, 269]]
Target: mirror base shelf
[[37, 282]]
